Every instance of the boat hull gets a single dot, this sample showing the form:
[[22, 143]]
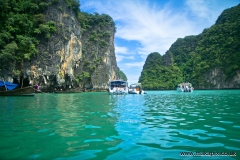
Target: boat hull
[[136, 92], [27, 91], [130, 92], [179, 89], [117, 92], [182, 90]]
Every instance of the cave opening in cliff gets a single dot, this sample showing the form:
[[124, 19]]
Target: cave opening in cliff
[[53, 78], [22, 82], [68, 81]]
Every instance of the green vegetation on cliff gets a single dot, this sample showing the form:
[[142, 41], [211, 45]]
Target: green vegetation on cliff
[[156, 75], [22, 23], [96, 34], [33, 31], [195, 56], [121, 75]]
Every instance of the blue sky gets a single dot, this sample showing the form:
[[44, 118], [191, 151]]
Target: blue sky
[[146, 26]]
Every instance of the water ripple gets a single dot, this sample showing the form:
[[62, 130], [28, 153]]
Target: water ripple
[[218, 128], [98, 126]]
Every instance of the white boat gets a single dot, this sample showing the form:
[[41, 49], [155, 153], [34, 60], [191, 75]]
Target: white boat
[[185, 87], [118, 87], [136, 88]]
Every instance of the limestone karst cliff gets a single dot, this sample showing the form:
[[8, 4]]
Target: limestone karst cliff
[[210, 60], [72, 49]]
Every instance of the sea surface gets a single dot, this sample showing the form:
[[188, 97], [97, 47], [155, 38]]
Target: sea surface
[[157, 125]]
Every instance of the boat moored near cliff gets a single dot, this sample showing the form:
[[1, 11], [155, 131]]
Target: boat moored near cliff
[[185, 87], [9, 90], [118, 87], [136, 88]]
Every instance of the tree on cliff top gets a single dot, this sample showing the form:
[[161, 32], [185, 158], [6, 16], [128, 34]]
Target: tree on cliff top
[[21, 23]]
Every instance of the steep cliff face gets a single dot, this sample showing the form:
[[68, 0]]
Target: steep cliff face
[[60, 54], [216, 79], [98, 64], [73, 57]]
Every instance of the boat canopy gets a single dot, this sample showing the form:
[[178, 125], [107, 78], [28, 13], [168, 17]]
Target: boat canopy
[[136, 85], [185, 84], [8, 85], [118, 83]]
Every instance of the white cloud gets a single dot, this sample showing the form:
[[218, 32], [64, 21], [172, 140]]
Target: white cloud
[[155, 27], [121, 57], [121, 50], [135, 64], [133, 79], [203, 9], [130, 57], [123, 53], [199, 8], [206, 12]]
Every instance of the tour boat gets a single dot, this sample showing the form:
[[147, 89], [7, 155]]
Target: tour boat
[[185, 87], [118, 87], [135, 88]]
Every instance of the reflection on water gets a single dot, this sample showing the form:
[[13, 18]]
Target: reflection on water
[[50, 126], [157, 125]]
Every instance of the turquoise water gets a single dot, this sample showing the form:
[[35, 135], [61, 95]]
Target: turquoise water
[[157, 125]]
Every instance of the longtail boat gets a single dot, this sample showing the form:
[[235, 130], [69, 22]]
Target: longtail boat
[[26, 91], [11, 91]]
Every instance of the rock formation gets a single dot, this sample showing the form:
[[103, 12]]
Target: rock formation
[[210, 60], [72, 56]]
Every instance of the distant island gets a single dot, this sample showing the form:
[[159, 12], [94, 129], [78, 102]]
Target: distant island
[[210, 60]]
